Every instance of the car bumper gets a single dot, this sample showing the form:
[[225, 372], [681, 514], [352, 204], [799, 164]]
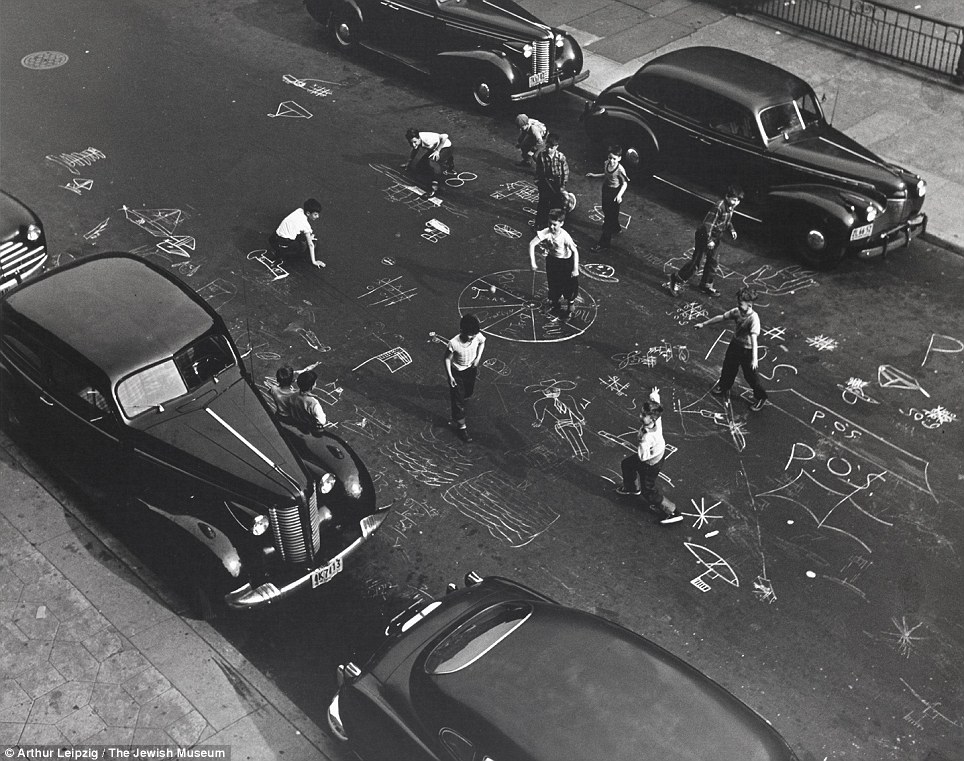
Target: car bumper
[[894, 239], [248, 597], [556, 86]]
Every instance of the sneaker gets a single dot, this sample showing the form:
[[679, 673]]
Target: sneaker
[[627, 493], [672, 518], [758, 404], [717, 391], [709, 290], [672, 287], [463, 433]]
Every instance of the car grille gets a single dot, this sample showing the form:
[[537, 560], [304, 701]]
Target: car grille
[[18, 260], [289, 531], [540, 56], [897, 211]]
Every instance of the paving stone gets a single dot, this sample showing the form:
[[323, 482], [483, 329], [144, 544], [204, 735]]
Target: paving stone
[[42, 734], [35, 620], [40, 680], [60, 597], [11, 586], [15, 702], [121, 666], [18, 655], [164, 710], [81, 724], [156, 736], [106, 643], [32, 567], [189, 729], [265, 734], [10, 732], [60, 703], [147, 685], [113, 704], [611, 19], [74, 661], [121, 737], [84, 625]]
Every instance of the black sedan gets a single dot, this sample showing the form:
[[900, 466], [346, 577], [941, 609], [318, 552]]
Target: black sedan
[[702, 118], [132, 385], [498, 671], [496, 52]]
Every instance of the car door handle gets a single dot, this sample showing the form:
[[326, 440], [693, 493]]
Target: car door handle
[[46, 400]]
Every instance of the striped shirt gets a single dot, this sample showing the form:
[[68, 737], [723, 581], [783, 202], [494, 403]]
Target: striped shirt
[[464, 355], [553, 167]]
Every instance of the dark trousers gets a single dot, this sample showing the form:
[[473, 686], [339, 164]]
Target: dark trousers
[[635, 471], [740, 357], [283, 247], [701, 248], [550, 197], [427, 169], [610, 209], [561, 282], [463, 389]]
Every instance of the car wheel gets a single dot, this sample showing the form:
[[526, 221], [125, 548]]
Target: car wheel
[[345, 30], [639, 155], [816, 244], [486, 93]]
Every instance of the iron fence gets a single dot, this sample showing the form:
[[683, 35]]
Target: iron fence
[[878, 27]]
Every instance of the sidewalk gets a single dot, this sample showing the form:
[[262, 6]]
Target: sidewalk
[[904, 115], [90, 656]]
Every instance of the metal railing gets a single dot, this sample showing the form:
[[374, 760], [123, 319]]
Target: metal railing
[[878, 27]]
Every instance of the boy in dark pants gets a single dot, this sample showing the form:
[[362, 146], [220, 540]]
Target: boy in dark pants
[[743, 351], [462, 356], [641, 469]]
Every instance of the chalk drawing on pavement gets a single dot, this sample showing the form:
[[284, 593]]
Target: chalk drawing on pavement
[[716, 568], [290, 109]]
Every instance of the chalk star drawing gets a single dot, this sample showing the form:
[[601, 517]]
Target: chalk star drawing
[[854, 390], [387, 292], [716, 568], [95, 232], [78, 185], [822, 343], [160, 223], [291, 110], [889, 376], [394, 359], [604, 273], [509, 514], [763, 590], [613, 384], [507, 232], [775, 333], [512, 305], [703, 514], [904, 635]]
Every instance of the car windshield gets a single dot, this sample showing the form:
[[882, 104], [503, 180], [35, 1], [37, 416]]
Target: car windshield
[[185, 372], [476, 637], [788, 118]]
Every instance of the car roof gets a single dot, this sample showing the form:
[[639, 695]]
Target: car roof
[[119, 312], [744, 79], [567, 680]]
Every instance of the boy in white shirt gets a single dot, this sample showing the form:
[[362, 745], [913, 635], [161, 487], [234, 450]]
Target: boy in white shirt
[[462, 356]]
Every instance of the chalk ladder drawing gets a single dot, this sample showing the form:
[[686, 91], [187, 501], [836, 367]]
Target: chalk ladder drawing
[[394, 359], [509, 514], [716, 568]]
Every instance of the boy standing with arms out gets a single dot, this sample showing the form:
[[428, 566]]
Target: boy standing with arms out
[[462, 356]]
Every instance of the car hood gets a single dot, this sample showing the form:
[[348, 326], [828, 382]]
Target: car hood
[[565, 679], [226, 436], [830, 150], [502, 15]]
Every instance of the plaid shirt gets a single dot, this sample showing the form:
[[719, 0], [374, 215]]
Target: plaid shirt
[[718, 221], [553, 168]]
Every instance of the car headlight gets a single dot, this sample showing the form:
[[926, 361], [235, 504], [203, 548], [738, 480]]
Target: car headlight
[[921, 188], [260, 525], [871, 213], [327, 483], [33, 232], [560, 40], [527, 50]]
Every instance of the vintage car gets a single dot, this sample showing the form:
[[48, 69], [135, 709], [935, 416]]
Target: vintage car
[[498, 671], [494, 51], [701, 118], [23, 246], [131, 384]]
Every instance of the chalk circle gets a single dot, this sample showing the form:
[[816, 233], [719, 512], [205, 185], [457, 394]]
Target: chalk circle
[[388, 261], [460, 179], [44, 59], [811, 575], [516, 310]]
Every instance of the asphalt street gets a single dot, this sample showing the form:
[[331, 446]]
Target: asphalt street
[[816, 573]]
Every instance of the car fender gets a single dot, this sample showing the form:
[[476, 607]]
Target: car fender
[[207, 536], [790, 203], [452, 63], [603, 120]]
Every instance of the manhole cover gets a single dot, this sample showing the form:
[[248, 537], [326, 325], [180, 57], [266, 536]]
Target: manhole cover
[[45, 59]]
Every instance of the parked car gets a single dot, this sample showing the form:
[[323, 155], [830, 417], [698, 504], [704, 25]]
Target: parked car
[[497, 52], [132, 384], [700, 118], [23, 245], [498, 671]]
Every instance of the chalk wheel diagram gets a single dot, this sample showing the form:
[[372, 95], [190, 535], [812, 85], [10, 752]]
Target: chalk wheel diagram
[[511, 304], [44, 59]]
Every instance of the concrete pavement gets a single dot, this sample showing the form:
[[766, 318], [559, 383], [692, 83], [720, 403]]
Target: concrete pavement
[[901, 113], [91, 656]]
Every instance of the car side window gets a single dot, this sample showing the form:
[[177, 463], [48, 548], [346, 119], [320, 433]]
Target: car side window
[[689, 101], [728, 118], [77, 389]]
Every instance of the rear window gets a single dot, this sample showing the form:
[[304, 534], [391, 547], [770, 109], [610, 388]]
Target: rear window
[[476, 637]]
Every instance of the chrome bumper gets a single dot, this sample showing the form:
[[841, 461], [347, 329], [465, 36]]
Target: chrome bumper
[[248, 597], [899, 237], [560, 84]]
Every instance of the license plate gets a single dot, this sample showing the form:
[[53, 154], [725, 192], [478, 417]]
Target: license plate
[[861, 232], [541, 78], [326, 573]]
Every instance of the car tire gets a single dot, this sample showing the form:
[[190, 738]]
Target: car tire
[[486, 92], [817, 244], [639, 154], [345, 30]]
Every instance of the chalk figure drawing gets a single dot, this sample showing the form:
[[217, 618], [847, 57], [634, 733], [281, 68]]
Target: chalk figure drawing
[[509, 514], [563, 412], [511, 305]]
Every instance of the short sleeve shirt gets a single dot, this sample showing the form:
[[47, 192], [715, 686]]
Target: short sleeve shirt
[[561, 245], [651, 443], [465, 354], [294, 224], [745, 325], [304, 410]]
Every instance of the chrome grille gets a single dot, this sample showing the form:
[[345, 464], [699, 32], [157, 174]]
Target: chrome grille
[[540, 56], [289, 537], [898, 210], [19, 260], [313, 520]]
